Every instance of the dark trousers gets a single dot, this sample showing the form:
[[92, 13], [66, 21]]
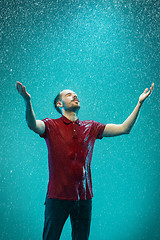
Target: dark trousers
[[56, 213]]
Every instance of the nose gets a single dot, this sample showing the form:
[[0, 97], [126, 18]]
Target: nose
[[75, 97]]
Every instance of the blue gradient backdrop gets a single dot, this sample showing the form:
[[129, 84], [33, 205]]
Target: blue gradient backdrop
[[108, 53]]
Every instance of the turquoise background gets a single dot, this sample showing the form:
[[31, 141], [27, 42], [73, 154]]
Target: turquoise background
[[108, 53]]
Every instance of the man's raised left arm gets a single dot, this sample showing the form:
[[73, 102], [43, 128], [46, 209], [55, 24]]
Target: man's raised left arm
[[112, 130]]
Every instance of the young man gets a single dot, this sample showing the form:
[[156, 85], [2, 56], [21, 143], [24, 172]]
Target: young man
[[70, 146]]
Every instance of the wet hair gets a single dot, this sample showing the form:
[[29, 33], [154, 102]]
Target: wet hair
[[57, 99]]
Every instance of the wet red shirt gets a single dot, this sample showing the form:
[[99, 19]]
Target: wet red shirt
[[70, 147]]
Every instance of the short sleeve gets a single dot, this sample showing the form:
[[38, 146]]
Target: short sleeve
[[98, 129], [47, 124]]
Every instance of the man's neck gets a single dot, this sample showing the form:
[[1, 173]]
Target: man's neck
[[72, 116]]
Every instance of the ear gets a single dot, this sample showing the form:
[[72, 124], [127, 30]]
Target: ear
[[59, 104]]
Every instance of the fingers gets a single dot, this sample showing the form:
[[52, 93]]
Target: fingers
[[145, 90], [21, 89], [19, 86], [151, 89]]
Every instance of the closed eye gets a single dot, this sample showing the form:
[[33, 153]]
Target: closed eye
[[68, 94]]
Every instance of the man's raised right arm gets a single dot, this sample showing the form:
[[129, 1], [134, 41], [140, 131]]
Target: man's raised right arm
[[37, 126]]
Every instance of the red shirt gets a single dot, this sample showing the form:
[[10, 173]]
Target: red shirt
[[70, 147]]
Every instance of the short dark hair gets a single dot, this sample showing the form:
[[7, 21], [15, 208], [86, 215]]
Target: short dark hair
[[57, 99]]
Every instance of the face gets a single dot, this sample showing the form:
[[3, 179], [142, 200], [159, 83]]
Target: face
[[70, 101]]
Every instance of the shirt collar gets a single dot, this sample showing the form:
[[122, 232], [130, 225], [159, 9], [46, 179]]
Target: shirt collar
[[67, 121]]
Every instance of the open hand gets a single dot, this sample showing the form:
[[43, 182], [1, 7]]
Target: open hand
[[22, 90], [145, 94]]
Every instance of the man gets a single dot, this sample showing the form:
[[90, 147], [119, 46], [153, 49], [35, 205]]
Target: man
[[70, 146]]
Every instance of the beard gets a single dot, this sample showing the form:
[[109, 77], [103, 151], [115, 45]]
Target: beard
[[71, 106], [74, 108]]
